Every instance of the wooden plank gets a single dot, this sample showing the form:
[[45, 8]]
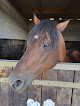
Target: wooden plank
[[4, 79], [0, 94], [8, 63], [1, 68], [49, 11], [76, 92], [50, 83], [20, 99], [47, 91], [56, 83], [67, 66], [4, 92], [34, 92], [10, 90], [64, 94], [59, 65], [67, 5]]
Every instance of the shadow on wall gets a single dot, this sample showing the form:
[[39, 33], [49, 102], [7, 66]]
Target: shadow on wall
[[73, 45], [12, 49]]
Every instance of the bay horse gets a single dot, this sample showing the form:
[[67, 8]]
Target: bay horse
[[73, 56], [45, 47]]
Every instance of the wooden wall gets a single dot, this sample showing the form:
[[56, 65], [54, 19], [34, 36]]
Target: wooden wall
[[61, 96]]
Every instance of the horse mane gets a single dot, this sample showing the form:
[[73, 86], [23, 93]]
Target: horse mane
[[44, 26], [73, 56]]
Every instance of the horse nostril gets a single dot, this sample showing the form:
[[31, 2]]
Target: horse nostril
[[16, 84]]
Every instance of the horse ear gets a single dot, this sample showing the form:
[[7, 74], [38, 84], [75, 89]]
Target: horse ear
[[36, 20], [62, 26]]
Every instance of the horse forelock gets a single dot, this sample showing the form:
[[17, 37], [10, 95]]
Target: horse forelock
[[40, 30]]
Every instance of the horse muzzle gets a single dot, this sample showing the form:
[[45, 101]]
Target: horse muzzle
[[20, 84]]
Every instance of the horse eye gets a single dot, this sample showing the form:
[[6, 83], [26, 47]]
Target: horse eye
[[46, 45]]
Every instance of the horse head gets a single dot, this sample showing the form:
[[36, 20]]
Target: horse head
[[44, 45]]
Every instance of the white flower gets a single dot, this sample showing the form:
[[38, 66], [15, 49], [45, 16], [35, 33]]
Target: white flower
[[30, 102], [49, 102], [36, 104]]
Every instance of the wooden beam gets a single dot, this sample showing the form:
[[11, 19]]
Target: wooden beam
[[39, 5], [52, 11], [4, 79], [56, 83], [8, 63], [45, 11], [49, 83], [67, 4], [73, 11], [59, 65], [67, 66]]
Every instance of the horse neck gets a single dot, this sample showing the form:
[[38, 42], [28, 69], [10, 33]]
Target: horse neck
[[62, 57], [67, 56]]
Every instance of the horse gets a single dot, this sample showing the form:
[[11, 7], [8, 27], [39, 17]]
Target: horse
[[45, 47], [73, 56]]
